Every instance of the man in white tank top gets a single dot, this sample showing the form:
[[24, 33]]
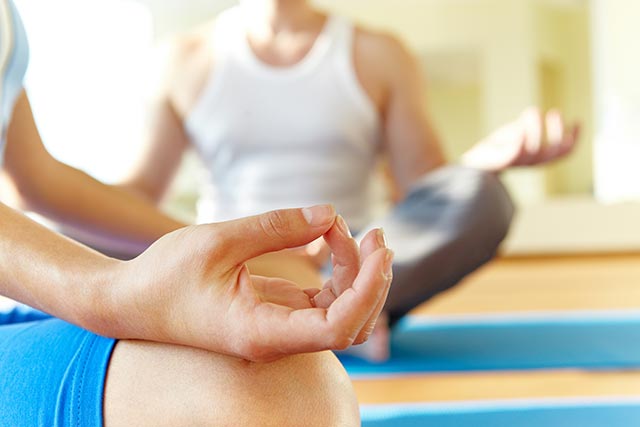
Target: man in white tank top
[[287, 105]]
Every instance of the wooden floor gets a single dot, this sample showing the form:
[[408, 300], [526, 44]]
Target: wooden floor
[[533, 284], [529, 285], [498, 385]]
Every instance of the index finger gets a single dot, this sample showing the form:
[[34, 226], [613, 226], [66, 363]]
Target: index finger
[[335, 328], [345, 257]]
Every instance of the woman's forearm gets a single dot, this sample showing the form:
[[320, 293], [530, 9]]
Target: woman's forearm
[[52, 273], [72, 197], [76, 200]]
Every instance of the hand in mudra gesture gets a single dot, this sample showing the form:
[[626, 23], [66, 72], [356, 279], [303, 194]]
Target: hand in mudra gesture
[[192, 287], [532, 139]]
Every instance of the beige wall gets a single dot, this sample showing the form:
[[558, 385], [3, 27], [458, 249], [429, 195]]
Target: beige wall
[[565, 66], [616, 33], [456, 112]]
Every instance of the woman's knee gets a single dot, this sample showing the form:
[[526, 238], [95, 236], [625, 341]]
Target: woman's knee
[[156, 384]]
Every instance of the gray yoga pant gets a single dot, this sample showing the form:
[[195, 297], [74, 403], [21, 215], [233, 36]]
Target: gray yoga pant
[[451, 223]]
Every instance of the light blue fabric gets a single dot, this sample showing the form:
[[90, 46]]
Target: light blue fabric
[[15, 70], [590, 339], [51, 373], [526, 413]]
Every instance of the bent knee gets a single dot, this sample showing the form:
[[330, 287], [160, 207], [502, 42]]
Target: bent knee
[[308, 389], [470, 199], [493, 200], [483, 199], [157, 384]]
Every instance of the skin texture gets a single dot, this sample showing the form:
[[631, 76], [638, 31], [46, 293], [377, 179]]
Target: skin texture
[[193, 288], [151, 384]]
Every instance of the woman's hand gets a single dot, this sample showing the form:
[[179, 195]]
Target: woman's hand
[[316, 252], [192, 287], [532, 139]]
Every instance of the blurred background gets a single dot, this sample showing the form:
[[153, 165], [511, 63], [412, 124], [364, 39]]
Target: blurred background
[[485, 61]]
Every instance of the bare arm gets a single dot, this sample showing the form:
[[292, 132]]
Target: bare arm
[[191, 287], [72, 197], [164, 147], [411, 143], [50, 272], [182, 70]]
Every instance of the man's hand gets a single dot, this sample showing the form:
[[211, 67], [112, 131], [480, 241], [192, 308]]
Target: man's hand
[[527, 141], [192, 287]]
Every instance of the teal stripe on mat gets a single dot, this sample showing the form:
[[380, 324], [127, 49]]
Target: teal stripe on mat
[[606, 412], [594, 339]]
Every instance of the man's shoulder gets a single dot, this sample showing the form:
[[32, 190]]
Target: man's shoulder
[[179, 59], [379, 44], [382, 50], [203, 40]]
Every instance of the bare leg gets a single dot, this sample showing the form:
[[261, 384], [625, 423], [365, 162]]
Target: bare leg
[[150, 384]]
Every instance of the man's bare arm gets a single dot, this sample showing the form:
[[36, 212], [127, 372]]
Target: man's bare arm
[[411, 143], [183, 68]]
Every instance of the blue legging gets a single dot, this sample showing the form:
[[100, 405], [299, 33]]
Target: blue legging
[[51, 372]]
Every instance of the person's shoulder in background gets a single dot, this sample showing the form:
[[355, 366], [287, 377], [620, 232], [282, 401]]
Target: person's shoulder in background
[[382, 60], [182, 65]]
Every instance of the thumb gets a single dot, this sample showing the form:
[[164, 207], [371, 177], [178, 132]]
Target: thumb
[[247, 238]]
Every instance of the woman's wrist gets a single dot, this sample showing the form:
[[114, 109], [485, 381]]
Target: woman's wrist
[[97, 297]]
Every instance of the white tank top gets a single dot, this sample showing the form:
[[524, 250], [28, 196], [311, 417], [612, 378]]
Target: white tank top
[[278, 137]]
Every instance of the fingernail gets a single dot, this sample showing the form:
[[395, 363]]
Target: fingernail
[[318, 215], [382, 239], [342, 225], [388, 264]]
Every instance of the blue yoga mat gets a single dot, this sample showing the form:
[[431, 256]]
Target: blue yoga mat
[[606, 412], [594, 339]]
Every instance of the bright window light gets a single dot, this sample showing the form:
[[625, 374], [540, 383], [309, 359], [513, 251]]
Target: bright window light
[[85, 79]]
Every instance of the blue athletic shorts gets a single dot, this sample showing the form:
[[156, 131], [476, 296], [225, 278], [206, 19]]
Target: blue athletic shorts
[[52, 373]]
